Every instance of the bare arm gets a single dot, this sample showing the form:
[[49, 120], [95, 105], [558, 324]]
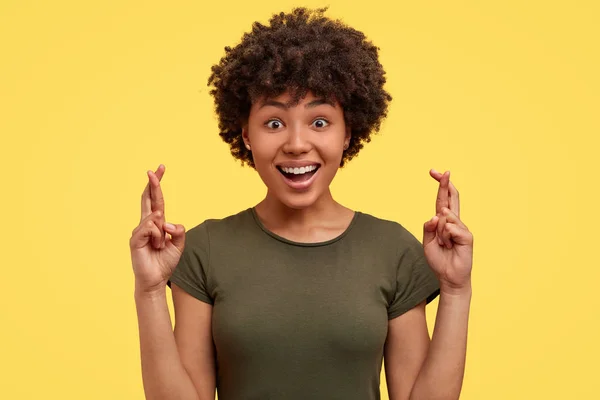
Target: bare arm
[[442, 373], [448, 248], [163, 374], [193, 335], [175, 364], [419, 368], [405, 350]]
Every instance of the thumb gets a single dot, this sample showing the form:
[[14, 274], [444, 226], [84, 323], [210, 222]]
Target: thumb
[[429, 230], [177, 232]]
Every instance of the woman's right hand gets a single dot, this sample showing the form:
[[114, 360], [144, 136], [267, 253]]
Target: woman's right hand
[[154, 255]]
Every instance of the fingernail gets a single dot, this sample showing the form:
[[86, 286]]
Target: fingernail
[[440, 241], [170, 227]]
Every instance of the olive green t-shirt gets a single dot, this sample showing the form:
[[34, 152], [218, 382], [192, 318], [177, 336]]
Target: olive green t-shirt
[[302, 320]]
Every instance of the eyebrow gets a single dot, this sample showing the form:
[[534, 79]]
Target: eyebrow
[[284, 106]]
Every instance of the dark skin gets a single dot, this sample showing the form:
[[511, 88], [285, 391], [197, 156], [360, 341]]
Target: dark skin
[[416, 369], [414, 364], [447, 210], [154, 255], [451, 259], [448, 196], [153, 200]]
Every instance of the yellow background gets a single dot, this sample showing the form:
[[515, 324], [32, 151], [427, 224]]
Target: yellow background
[[504, 94]]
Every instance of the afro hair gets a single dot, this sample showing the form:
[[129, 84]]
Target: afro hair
[[298, 52]]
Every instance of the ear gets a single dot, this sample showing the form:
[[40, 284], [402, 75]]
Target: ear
[[245, 136], [347, 137]]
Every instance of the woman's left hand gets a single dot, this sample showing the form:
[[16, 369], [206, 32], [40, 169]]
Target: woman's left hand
[[447, 242]]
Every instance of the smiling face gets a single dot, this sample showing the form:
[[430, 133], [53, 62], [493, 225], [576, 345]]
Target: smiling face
[[296, 149]]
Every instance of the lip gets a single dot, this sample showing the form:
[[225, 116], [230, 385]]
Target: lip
[[300, 185]]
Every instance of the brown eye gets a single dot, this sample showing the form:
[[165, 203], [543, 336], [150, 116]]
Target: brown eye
[[320, 123], [273, 124]]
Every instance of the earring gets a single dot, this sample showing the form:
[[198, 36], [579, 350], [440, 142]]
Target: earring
[[248, 146]]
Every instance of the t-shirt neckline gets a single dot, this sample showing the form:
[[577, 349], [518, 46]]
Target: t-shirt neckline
[[303, 244]]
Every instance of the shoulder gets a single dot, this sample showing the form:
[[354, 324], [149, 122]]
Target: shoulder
[[381, 226], [390, 235], [219, 227]]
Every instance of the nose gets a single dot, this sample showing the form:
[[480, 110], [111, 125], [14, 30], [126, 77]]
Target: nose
[[297, 140]]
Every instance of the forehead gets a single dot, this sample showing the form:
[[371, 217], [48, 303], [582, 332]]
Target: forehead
[[286, 101], [287, 97]]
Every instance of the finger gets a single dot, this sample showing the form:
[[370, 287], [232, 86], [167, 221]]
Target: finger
[[156, 195], [146, 200], [177, 235], [146, 231], [157, 201], [454, 202], [458, 234], [453, 218], [429, 230], [454, 199], [442, 195], [439, 228], [158, 242], [158, 204], [435, 174], [443, 238], [446, 236], [154, 216]]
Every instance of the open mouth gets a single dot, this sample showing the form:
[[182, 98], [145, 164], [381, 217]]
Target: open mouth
[[301, 174]]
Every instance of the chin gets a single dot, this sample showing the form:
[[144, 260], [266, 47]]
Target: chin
[[298, 201]]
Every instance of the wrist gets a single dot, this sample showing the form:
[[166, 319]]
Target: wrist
[[447, 290], [150, 293]]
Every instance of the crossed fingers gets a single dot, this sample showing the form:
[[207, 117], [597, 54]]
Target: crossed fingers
[[447, 198], [153, 200]]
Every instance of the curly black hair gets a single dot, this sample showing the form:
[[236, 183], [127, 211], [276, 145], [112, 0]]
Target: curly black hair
[[299, 52]]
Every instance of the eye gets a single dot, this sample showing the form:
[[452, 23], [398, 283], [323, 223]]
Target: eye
[[320, 123], [273, 124]]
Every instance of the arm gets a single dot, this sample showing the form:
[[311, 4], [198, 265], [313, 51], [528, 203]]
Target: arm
[[442, 373], [406, 347], [419, 369], [448, 248], [175, 365], [193, 335], [164, 372]]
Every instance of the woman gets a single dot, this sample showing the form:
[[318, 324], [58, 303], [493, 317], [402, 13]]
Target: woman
[[300, 297]]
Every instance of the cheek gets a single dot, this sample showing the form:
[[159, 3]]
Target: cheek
[[260, 162], [332, 157], [263, 163], [261, 154], [333, 152]]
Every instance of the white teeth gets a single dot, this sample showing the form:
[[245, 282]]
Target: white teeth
[[299, 171]]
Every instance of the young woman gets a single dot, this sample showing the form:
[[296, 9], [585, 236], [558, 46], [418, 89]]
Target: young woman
[[299, 297]]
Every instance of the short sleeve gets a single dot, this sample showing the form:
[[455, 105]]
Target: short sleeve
[[192, 270], [415, 280]]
